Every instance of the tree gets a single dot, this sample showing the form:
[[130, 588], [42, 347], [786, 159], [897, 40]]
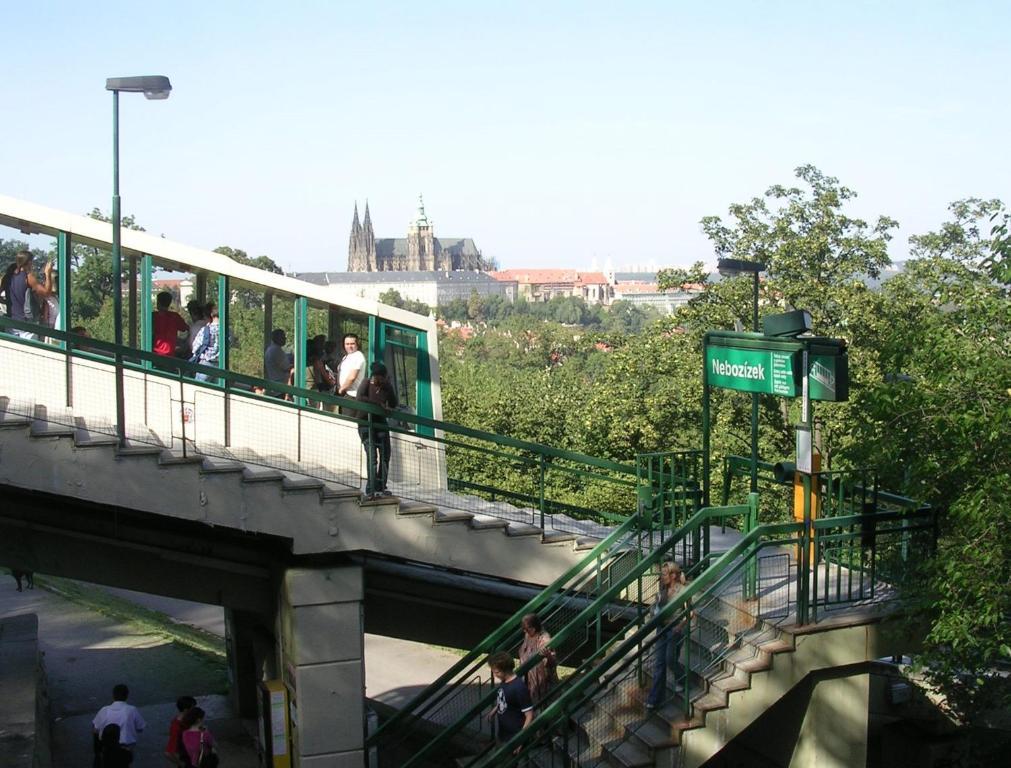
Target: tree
[[92, 282], [250, 297]]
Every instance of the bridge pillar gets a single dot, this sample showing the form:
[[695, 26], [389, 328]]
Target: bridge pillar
[[252, 657], [322, 662]]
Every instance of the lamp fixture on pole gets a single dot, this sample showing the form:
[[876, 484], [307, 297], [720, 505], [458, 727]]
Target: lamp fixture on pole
[[155, 87]]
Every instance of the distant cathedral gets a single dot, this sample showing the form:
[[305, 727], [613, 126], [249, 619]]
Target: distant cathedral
[[420, 251]]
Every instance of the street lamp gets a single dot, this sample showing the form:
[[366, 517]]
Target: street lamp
[[156, 87], [734, 268]]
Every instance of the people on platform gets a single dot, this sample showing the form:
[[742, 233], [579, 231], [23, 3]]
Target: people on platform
[[167, 326], [205, 348], [277, 363], [513, 710], [351, 372], [670, 635], [544, 676], [318, 375], [198, 742], [198, 319], [24, 294], [126, 716], [111, 753], [174, 746], [376, 441]]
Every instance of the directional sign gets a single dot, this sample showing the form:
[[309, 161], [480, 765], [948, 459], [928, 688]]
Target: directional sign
[[752, 370]]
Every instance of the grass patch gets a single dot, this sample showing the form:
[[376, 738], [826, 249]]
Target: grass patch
[[143, 619]]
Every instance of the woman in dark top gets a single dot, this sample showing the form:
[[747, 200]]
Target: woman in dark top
[[377, 390], [113, 754]]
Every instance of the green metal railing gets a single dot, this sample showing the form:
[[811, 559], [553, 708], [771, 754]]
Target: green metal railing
[[553, 486], [559, 731]]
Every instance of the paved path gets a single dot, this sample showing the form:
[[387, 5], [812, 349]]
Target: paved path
[[394, 669], [87, 653]]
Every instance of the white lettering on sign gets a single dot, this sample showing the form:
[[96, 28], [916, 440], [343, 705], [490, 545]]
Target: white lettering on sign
[[738, 370]]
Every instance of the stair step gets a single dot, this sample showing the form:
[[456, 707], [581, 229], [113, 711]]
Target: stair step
[[172, 458], [295, 483], [376, 501], [87, 438], [14, 420], [132, 448], [211, 465], [653, 733], [51, 429], [558, 537], [629, 755], [335, 492], [485, 523], [522, 529], [261, 475], [417, 508], [453, 516], [585, 543]]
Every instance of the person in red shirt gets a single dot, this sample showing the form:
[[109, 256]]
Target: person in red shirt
[[184, 704], [167, 326]]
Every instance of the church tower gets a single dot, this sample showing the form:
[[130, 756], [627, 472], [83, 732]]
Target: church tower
[[421, 242], [356, 251], [369, 242]]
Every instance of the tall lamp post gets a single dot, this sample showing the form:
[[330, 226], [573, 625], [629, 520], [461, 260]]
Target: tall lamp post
[[156, 87], [734, 268]]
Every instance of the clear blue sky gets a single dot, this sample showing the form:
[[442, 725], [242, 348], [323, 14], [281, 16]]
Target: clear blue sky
[[552, 133]]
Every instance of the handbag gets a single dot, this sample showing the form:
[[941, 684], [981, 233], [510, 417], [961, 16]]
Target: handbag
[[206, 759]]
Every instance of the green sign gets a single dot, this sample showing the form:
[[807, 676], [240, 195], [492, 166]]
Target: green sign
[[828, 378], [752, 370]]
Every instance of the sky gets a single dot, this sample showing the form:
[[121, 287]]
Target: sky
[[555, 134]]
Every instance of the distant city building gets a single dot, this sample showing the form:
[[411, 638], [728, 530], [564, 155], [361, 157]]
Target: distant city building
[[546, 284], [420, 251], [431, 288], [649, 295]]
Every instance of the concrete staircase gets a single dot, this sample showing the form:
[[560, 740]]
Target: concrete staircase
[[55, 451], [617, 730]]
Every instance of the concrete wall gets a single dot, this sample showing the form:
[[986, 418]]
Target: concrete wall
[[822, 694], [322, 662], [24, 711]]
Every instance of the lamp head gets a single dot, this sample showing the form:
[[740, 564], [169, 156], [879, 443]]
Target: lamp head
[[155, 87], [787, 324], [735, 267]]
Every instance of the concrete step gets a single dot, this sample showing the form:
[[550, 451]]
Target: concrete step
[[261, 475], [338, 492], [52, 422], [212, 465], [586, 543], [522, 529], [177, 458], [558, 537], [453, 516], [628, 754], [486, 523], [411, 508], [297, 483], [86, 436]]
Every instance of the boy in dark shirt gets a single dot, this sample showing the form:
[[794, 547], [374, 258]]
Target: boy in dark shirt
[[513, 708], [377, 390]]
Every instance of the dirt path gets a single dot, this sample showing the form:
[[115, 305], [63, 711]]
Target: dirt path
[[86, 653]]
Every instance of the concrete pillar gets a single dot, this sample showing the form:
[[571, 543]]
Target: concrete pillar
[[322, 663], [834, 731]]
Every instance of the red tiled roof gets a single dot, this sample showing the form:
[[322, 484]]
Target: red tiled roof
[[542, 276]]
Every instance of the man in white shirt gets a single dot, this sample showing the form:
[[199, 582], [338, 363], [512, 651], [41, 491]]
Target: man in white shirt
[[122, 714], [351, 373]]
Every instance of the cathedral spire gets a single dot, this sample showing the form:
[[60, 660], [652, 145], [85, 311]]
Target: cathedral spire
[[356, 260], [355, 224], [369, 240]]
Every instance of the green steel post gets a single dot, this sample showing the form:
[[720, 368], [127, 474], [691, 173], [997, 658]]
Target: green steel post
[[131, 292], [754, 396], [224, 302], [301, 319], [63, 278], [146, 309], [751, 570], [268, 324], [705, 425], [542, 489], [117, 277], [804, 603]]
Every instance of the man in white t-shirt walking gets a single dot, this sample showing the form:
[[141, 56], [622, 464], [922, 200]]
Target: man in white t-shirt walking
[[122, 714], [351, 372]]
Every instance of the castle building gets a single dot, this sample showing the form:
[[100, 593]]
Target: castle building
[[420, 251]]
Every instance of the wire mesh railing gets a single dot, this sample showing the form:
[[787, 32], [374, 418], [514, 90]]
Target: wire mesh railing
[[231, 418]]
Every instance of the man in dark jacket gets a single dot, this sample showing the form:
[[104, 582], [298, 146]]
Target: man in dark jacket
[[377, 391]]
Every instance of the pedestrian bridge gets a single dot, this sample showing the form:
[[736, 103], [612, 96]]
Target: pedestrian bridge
[[119, 467]]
